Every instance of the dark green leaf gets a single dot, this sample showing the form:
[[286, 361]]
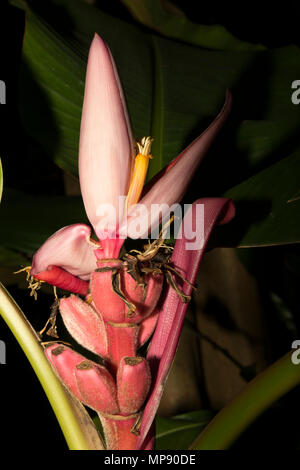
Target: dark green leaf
[[26, 222], [171, 22], [54, 72], [12, 258], [179, 432], [267, 214]]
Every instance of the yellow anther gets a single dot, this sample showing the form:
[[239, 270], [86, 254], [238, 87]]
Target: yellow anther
[[26, 269], [55, 293], [139, 172], [92, 242]]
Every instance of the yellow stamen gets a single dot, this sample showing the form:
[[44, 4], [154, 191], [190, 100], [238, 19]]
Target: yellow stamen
[[139, 172], [55, 293], [33, 284], [92, 242], [26, 269]]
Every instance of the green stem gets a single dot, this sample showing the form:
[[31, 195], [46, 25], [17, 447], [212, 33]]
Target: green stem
[[66, 410], [117, 433], [256, 397]]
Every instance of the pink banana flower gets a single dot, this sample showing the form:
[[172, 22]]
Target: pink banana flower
[[119, 313], [106, 172]]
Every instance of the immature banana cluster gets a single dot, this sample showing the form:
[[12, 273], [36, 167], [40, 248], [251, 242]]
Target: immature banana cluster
[[116, 318]]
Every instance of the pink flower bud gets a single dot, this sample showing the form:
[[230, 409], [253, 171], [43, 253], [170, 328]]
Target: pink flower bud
[[141, 300], [97, 387], [133, 383], [64, 360], [84, 324]]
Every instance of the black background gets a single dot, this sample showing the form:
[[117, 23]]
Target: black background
[[27, 420]]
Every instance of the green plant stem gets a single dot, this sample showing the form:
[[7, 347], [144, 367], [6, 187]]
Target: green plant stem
[[59, 399], [256, 397]]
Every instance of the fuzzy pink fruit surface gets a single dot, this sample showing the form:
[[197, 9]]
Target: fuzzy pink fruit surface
[[113, 308]]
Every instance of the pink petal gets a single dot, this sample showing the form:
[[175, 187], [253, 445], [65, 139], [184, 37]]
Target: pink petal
[[165, 339], [68, 249], [106, 150], [149, 442], [171, 183]]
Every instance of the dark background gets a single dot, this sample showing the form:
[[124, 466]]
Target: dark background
[[27, 420]]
